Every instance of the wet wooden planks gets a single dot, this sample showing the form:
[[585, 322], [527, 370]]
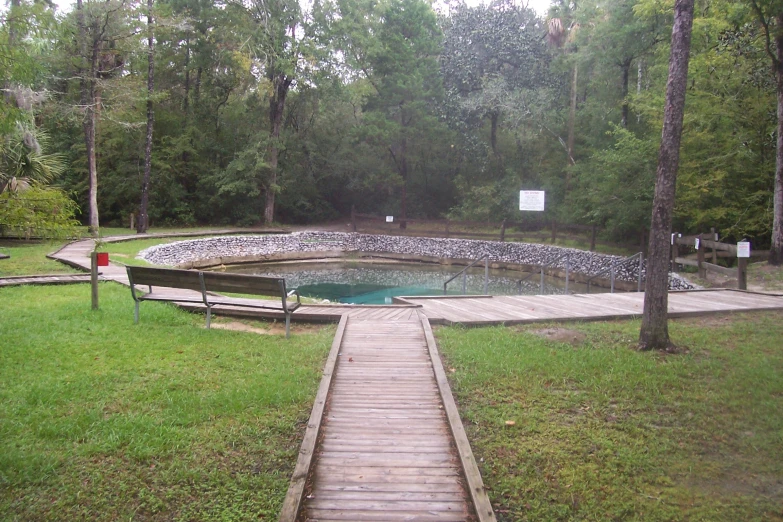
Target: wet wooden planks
[[386, 450], [486, 310]]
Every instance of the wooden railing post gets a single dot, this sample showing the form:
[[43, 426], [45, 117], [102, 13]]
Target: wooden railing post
[[503, 231], [742, 273], [675, 251], [94, 279], [700, 258], [714, 250]]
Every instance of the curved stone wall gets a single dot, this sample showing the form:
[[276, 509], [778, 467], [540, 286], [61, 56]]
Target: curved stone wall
[[233, 249]]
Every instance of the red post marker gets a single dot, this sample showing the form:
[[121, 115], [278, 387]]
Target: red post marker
[[102, 258]]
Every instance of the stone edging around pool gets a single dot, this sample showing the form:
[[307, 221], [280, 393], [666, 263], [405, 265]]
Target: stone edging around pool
[[225, 250]]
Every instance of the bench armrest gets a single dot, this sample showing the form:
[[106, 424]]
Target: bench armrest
[[296, 293]]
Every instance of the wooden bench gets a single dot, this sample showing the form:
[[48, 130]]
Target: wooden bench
[[207, 284]]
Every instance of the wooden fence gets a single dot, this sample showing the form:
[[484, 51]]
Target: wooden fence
[[709, 246], [492, 231]]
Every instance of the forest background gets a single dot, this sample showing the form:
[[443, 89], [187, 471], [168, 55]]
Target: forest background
[[255, 111]]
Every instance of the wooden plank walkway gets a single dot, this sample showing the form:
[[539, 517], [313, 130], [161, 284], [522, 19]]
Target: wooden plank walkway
[[388, 446], [54, 279], [496, 310]]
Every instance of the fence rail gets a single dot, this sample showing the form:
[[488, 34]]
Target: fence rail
[[457, 228], [701, 243]]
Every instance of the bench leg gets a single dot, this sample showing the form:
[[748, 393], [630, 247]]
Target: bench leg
[[136, 313], [287, 324], [209, 316]]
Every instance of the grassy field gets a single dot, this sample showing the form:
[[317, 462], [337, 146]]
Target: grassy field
[[603, 432], [29, 257], [101, 419]]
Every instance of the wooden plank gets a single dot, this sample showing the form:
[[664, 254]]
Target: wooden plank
[[386, 487], [293, 498], [372, 516], [387, 506], [374, 496], [476, 488]]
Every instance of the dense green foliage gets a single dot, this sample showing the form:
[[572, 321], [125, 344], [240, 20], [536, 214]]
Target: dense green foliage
[[394, 108]]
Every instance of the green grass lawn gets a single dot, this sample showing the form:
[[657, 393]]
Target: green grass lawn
[[29, 257], [101, 419], [603, 432]]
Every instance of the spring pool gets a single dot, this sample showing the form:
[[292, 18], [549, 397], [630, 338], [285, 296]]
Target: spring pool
[[377, 283]]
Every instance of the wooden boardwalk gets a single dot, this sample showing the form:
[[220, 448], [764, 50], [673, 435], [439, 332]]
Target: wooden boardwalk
[[54, 279], [497, 310], [390, 443]]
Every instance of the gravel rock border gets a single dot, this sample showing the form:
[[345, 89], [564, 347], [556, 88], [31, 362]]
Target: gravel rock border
[[236, 247]]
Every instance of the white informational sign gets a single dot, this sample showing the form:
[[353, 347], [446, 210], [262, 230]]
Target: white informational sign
[[390, 219], [743, 249], [531, 200], [696, 243]]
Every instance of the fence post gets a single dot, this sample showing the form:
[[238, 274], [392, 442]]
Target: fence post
[[714, 250], [503, 231], [700, 258], [639, 275], [612, 277], [592, 240], [353, 217], [568, 266], [94, 279], [742, 273], [675, 251], [541, 286], [486, 275]]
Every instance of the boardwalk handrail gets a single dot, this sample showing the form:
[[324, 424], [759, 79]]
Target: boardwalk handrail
[[615, 264], [464, 274], [547, 265]]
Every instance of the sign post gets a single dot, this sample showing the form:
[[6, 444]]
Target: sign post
[[96, 259], [743, 253]]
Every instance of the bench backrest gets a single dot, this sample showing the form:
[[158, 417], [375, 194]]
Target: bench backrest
[[244, 284], [167, 277]]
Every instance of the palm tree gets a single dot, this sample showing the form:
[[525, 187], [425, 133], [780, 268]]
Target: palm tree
[[23, 160]]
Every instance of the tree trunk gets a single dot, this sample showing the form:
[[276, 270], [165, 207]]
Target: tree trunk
[[571, 125], [776, 248], [404, 175], [572, 115], [654, 333], [88, 101], [186, 101], [276, 108], [143, 222], [626, 67], [493, 134]]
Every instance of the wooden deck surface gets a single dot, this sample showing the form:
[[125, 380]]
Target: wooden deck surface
[[54, 279], [386, 450], [495, 310]]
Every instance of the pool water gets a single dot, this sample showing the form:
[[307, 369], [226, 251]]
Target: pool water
[[376, 283]]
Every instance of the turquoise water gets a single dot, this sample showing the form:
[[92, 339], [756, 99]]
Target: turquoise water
[[375, 283]]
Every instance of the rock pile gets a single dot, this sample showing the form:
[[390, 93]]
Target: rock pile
[[581, 261]]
